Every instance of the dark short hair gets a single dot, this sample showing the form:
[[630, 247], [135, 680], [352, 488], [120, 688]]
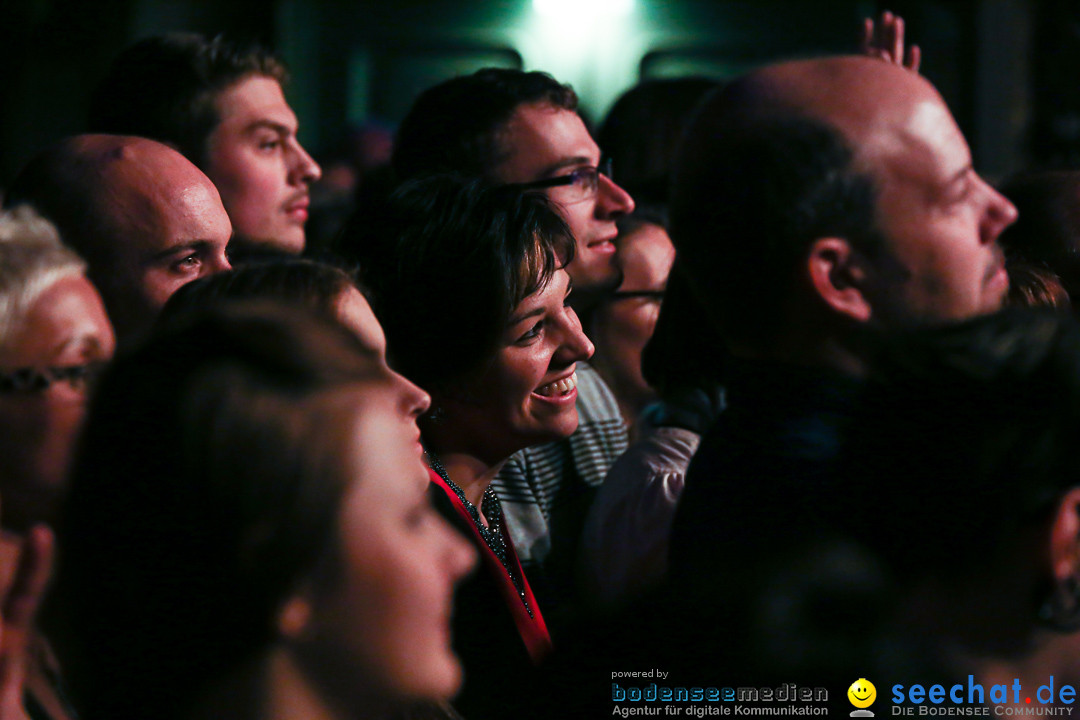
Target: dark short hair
[[165, 88], [959, 460], [752, 191], [685, 351], [1035, 285], [446, 262], [644, 214], [643, 131], [967, 437], [206, 488], [455, 126], [961, 443], [46, 184], [317, 286]]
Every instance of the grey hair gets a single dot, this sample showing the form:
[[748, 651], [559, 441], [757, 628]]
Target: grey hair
[[32, 259]]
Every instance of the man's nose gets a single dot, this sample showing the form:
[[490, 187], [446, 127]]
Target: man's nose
[[611, 200]]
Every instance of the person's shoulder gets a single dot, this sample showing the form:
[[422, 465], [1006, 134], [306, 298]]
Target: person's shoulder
[[668, 448], [653, 467]]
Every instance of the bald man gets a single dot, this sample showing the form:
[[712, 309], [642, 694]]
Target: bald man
[[849, 178], [146, 220], [816, 202]]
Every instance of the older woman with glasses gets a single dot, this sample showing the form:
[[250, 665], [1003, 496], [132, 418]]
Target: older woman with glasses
[[469, 282], [54, 335]]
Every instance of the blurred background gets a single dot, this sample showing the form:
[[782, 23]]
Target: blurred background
[[1007, 68]]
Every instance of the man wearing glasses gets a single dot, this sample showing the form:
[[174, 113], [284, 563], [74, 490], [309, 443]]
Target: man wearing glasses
[[522, 129], [551, 150]]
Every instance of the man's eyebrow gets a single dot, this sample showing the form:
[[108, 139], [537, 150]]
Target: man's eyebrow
[[950, 188], [87, 341], [369, 352], [265, 124], [961, 174]]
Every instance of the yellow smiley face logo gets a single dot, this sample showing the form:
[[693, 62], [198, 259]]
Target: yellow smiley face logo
[[862, 693]]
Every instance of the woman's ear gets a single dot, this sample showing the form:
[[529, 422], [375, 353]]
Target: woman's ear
[[294, 617], [838, 275], [1061, 611]]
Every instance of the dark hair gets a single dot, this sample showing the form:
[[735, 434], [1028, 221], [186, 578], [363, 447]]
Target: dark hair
[[447, 260], [1047, 231], [968, 436], [963, 441], [455, 126], [1035, 285], [644, 214], [643, 130], [46, 183], [306, 283], [753, 188], [967, 446], [685, 350], [165, 88], [207, 486]]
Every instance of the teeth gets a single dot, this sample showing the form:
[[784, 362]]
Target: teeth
[[559, 387]]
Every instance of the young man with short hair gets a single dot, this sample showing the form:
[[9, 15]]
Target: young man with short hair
[[220, 104]]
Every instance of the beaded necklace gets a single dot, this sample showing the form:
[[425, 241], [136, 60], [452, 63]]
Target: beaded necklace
[[492, 534]]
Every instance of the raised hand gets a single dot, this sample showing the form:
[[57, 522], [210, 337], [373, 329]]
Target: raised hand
[[885, 40]]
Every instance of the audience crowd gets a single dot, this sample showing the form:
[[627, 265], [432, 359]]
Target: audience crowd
[[386, 473]]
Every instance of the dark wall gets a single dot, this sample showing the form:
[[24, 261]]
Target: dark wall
[[54, 50], [357, 60], [50, 50]]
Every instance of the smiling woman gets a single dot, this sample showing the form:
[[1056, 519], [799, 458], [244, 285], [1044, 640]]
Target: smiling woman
[[469, 283]]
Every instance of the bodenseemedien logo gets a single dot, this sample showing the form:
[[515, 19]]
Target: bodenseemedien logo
[[862, 694], [697, 701]]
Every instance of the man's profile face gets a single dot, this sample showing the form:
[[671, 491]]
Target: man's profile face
[[939, 219], [544, 141], [258, 165], [163, 225]]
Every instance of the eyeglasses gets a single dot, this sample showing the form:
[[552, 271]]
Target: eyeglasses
[[35, 380], [654, 295], [582, 184]]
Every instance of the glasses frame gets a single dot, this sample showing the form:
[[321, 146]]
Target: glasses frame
[[571, 178], [655, 295], [38, 380]]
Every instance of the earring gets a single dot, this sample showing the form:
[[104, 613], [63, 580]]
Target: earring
[[1061, 611]]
